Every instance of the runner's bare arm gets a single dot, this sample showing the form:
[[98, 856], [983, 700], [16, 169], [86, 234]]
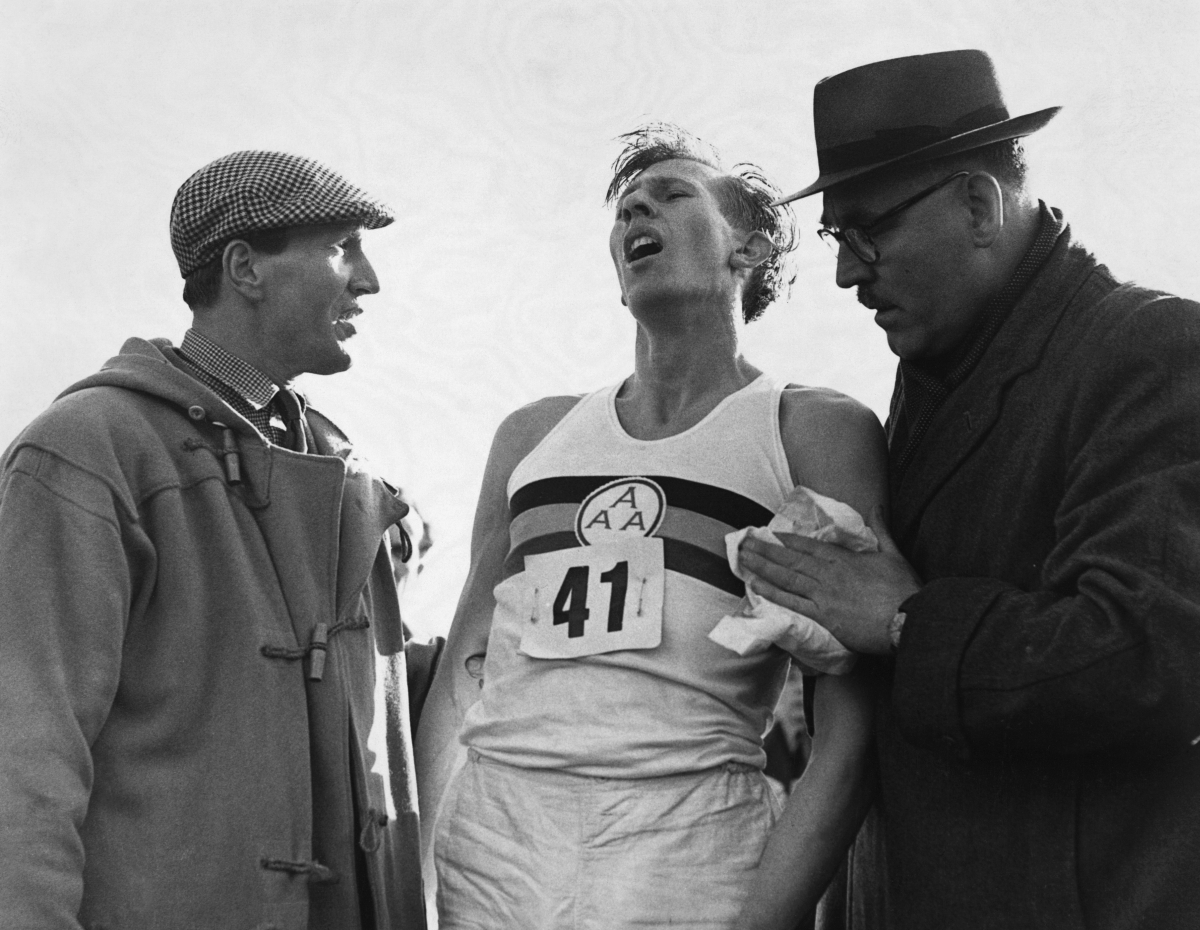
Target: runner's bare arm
[[459, 674], [835, 446], [823, 812]]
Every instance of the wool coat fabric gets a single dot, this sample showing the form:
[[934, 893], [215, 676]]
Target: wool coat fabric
[[1038, 732], [172, 753]]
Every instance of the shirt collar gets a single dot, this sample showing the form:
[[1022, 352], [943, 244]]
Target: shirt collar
[[251, 384]]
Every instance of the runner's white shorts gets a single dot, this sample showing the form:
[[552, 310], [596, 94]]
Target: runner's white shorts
[[530, 849]]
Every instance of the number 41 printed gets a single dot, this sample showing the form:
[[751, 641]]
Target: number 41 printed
[[595, 599], [570, 604]]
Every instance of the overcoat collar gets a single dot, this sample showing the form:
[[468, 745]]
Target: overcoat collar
[[968, 414]]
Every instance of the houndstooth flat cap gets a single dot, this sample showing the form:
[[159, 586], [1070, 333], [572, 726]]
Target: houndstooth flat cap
[[248, 191]]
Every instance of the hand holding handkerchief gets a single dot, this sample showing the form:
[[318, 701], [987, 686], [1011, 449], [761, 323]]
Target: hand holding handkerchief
[[759, 624]]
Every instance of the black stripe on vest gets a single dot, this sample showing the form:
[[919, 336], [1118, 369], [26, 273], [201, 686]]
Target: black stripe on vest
[[678, 556], [718, 503]]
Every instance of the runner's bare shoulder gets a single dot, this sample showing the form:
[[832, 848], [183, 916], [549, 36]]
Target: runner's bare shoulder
[[829, 438], [821, 413], [522, 430]]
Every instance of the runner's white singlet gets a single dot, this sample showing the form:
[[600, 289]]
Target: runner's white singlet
[[686, 704]]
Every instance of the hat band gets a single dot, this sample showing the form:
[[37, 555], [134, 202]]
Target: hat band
[[893, 143]]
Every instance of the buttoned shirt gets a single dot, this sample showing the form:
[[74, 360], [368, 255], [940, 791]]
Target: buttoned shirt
[[246, 389]]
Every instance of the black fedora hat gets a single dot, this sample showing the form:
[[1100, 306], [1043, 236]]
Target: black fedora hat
[[909, 110]]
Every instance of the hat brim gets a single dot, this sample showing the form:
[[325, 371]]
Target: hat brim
[[1013, 128]]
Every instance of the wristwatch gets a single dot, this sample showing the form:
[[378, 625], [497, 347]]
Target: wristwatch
[[895, 626]]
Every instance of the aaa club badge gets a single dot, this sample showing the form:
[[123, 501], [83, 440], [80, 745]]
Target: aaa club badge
[[619, 510], [595, 599]]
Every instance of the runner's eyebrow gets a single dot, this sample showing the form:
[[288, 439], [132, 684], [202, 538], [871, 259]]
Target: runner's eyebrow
[[656, 184]]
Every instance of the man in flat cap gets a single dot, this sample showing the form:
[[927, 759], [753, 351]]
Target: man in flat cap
[[1038, 733], [193, 586]]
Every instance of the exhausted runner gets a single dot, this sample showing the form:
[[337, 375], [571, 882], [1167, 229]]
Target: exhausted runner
[[613, 773]]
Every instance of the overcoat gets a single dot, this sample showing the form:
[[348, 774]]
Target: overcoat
[[1038, 735], [177, 750]]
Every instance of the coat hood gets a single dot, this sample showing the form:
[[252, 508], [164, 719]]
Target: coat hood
[[153, 366]]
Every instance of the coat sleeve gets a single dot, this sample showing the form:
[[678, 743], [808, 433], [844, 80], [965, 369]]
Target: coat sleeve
[[1103, 656], [65, 592]]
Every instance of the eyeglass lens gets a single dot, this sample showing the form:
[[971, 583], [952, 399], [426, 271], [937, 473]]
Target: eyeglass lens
[[858, 241]]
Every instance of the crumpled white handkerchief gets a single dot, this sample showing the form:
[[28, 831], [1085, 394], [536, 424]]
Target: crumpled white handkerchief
[[758, 624]]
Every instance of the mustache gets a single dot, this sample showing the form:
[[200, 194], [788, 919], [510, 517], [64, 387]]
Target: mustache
[[867, 300]]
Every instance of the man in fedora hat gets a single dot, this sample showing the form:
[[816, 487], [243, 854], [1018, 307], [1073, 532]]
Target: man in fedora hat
[[193, 586], [1038, 616]]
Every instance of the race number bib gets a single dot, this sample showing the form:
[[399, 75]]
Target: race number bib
[[595, 599]]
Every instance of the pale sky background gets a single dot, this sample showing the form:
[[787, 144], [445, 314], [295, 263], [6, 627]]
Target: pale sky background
[[489, 127]]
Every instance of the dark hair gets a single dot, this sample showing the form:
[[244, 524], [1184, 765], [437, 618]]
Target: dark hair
[[201, 287], [1004, 160], [744, 193]]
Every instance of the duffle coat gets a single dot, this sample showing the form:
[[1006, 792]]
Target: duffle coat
[[181, 746]]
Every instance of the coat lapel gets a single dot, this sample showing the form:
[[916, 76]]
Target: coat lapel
[[299, 513], [368, 508], [969, 413], [323, 518]]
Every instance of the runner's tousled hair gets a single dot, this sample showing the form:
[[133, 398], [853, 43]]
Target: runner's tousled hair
[[744, 194]]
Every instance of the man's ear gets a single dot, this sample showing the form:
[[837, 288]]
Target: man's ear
[[985, 199], [755, 249], [242, 269]]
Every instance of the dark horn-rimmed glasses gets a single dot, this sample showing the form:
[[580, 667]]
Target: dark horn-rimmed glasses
[[858, 239]]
